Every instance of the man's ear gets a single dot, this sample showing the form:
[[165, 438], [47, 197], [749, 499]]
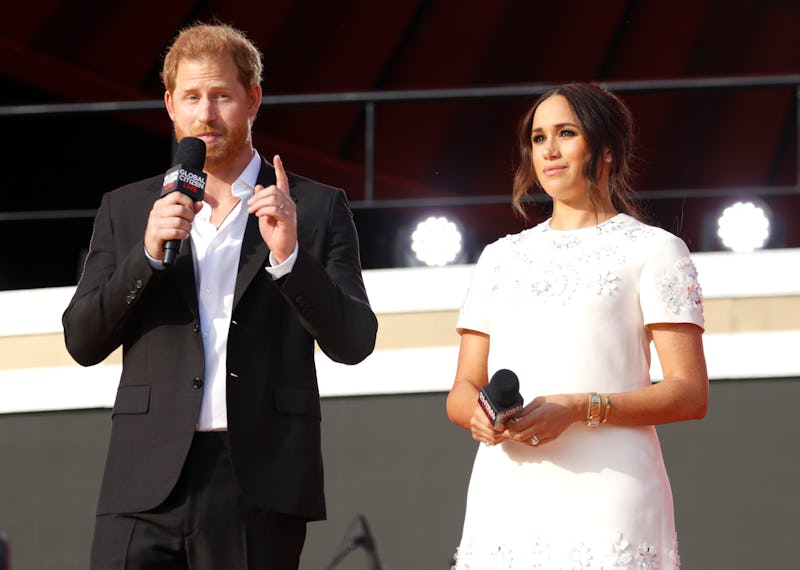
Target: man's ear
[[168, 103], [255, 95]]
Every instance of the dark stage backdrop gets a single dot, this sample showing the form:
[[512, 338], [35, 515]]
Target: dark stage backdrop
[[396, 461]]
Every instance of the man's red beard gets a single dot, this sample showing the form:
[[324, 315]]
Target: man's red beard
[[226, 148]]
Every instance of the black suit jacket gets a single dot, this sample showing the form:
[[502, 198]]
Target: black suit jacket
[[272, 395]]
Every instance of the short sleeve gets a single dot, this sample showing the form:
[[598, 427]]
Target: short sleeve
[[669, 288], [474, 314]]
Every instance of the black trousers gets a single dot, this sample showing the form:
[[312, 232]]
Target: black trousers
[[205, 524]]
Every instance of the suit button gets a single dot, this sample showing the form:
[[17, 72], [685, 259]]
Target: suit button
[[196, 327], [138, 284], [197, 383], [129, 299]]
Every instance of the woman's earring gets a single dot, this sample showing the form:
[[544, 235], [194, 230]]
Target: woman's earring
[[608, 158]]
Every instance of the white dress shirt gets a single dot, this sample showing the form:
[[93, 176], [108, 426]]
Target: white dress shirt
[[215, 253]]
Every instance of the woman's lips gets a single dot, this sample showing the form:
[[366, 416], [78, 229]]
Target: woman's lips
[[555, 169]]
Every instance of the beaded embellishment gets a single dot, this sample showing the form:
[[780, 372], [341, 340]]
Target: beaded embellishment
[[574, 556], [680, 288]]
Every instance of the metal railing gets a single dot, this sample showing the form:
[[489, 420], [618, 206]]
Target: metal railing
[[370, 99]]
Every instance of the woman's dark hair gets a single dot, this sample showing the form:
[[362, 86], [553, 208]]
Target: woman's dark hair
[[607, 124]]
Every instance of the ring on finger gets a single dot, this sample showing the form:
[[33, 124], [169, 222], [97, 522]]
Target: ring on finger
[[535, 441]]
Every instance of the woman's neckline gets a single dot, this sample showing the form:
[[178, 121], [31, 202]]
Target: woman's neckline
[[605, 222]]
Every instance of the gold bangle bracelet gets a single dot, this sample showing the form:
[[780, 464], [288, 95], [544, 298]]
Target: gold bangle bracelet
[[593, 415], [607, 410]]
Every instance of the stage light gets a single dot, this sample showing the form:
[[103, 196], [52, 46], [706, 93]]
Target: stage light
[[743, 227], [436, 241]]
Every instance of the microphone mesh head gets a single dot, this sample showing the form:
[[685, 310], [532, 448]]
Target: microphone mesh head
[[191, 153], [503, 387]]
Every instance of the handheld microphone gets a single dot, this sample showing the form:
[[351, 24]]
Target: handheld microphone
[[186, 176], [500, 398]]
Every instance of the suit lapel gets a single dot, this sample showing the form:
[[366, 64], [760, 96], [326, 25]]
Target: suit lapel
[[253, 258], [183, 275], [255, 253]]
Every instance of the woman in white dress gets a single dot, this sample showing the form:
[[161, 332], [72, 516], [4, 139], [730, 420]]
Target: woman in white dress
[[572, 305]]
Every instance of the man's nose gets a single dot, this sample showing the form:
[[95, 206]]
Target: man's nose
[[206, 110]]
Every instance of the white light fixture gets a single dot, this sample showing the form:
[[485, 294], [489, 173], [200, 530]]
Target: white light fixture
[[436, 241], [743, 227]]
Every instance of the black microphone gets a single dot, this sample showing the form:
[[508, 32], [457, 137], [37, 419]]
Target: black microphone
[[186, 176], [500, 398]]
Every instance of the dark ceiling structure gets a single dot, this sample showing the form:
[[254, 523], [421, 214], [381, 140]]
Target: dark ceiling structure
[[713, 86]]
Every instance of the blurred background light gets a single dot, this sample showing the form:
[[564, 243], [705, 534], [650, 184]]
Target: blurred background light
[[744, 227], [436, 241]]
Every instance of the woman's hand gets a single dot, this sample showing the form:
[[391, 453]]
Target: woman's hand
[[482, 429], [545, 418]]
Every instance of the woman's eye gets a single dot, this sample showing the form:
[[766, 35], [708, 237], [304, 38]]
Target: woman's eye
[[537, 139], [568, 133]]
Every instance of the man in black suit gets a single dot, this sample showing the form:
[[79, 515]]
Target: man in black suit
[[214, 460]]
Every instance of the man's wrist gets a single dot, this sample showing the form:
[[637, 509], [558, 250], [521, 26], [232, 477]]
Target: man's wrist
[[157, 264], [278, 269]]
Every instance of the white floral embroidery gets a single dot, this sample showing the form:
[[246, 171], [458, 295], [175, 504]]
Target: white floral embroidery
[[602, 253], [674, 555], [554, 280], [680, 288], [580, 557], [540, 554], [571, 262], [647, 556], [563, 556], [634, 232], [620, 548], [606, 283]]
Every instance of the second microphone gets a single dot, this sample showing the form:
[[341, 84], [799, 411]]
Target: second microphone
[[500, 398]]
